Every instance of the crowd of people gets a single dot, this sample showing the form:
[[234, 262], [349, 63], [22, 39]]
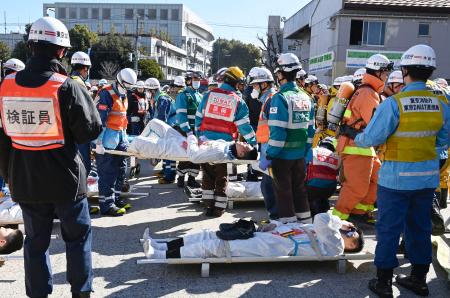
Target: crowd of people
[[381, 134]]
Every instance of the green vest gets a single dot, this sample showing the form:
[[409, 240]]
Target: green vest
[[192, 105], [299, 108]]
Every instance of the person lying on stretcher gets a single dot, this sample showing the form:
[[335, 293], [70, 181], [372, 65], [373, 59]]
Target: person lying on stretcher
[[328, 236], [10, 212], [159, 140]]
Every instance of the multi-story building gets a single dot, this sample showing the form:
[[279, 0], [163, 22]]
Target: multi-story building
[[170, 33], [11, 39], [335, 37]]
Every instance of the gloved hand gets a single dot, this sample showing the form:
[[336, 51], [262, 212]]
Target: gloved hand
[[264, 164], [189, 133], [99, 149]]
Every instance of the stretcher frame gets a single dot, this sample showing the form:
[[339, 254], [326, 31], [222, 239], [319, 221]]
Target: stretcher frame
[[230, 203], [341, 260]]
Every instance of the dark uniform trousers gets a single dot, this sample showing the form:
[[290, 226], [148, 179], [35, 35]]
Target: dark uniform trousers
[[214, 184]]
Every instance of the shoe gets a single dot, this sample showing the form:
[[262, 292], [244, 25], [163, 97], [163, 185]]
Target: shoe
[[241, 223], [122, 203], [252, 177], [366, 218], [94, 210], [180, 181], [160, 174], [192, 183], [126, 187], [114, 211], [414, 284], [81, 295], [382, 285], [164, 181], [214, 212], [193, 192], [443, 198], [152, 253]]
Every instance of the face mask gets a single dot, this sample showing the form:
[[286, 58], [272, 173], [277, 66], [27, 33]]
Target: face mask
[[255, 93], [195, 84]]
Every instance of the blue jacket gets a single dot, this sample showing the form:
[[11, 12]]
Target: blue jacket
[[182, 103], [241, 120], [165, 108], [279, 114], [403, 175], [109, 138]]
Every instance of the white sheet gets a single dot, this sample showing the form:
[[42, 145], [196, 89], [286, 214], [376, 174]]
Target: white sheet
[[10, 211], [243, 190]]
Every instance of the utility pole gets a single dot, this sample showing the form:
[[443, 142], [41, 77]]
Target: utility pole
[[136, 45], [218, 54]]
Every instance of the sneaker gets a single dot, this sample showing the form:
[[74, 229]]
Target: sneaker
[[192, 183], [241, 229], [114, 211], [122, 203], [180, 181], [414, 284], [241, 223], [94, 210], [164, 181], [193, 192]]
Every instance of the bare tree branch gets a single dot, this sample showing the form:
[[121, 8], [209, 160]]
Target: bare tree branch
[[108, 69]]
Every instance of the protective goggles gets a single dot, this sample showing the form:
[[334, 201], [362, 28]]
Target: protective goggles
[[350, 232]]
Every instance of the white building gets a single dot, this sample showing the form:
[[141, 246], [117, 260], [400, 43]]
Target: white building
[[189, 37]]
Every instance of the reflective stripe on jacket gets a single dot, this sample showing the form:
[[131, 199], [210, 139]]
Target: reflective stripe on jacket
[[117, 116]]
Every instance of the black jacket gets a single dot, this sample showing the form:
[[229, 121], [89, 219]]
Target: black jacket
[[57, 175]]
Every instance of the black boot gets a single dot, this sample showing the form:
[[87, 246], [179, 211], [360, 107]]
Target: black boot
[[192, 183], [81, 295], [443, 198], [382, 285], [180, 181], [417, 281]]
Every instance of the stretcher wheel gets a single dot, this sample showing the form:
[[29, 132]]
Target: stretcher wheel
[[205, 270], [341, 266]]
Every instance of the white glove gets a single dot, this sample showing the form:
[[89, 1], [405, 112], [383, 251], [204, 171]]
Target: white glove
[[99, 149]]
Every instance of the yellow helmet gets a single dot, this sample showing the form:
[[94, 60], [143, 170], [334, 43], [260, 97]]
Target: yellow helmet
[[235, 73]]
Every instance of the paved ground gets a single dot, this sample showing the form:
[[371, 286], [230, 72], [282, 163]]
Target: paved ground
[[166, 212]]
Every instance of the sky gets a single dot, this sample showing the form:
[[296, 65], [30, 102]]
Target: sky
[[238, 19]]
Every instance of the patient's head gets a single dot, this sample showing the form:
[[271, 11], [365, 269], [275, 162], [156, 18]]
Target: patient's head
[[353, 238], [10, 240], [242, 150]]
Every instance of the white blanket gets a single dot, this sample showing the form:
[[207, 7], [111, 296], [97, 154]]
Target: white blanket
[[10, 211], [243, 190]]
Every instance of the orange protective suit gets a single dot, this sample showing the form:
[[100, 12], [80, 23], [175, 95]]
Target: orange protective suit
[[360, 165]]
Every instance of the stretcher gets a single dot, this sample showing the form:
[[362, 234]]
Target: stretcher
[[341, 260]]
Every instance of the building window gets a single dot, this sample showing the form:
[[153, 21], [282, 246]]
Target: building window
[[84, 13], [424, 29], [152, 14], [94, 13], [369, 33], [141, 13], [106, 13], [129, 14], [72, 13], [164, 14], [61, 12], [174, 16]]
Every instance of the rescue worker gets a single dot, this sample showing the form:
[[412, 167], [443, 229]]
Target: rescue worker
[[300, 78], [138, 107], [187, 102], [291, 126], [212, 84], [112, 104], [358, 76], [262, 82], [360, 165], [410, 171], [220, 115], [39, 158], [102, 82], [311, 86], [12, 65], [94, 91], [165, 111], [219, 76], [394, 83]]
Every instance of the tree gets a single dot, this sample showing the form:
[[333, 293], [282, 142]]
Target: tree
[[81, 38], [271, 49], [234, 53], [114, 48], [21, 50], [150, 69], [5, 51], [108, 70]]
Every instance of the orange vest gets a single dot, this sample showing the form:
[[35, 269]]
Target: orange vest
[[117, 117], [31, 117], [262, 132]]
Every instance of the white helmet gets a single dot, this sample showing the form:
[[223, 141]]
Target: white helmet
[[358, 75], [152, 84], [140, 84], [102, 82], [211, 81], [301, 73], [165, 88], [379, 62], [338, 81], [395, 77], [348, 78], [14, 64], [288, 62], [419, 55], [49, 30], [260, 75], [179, 81], [127, 78], [80, 58], [218, 77], [88, 85], [311, 79], [441, 82], [94, 88]]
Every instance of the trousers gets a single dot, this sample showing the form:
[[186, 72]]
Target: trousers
[[318, 198], [76, 233], [186, 167], [269, 196], [169, 167], [289, 187], [214, 184], [111, 176], [407, 212]]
